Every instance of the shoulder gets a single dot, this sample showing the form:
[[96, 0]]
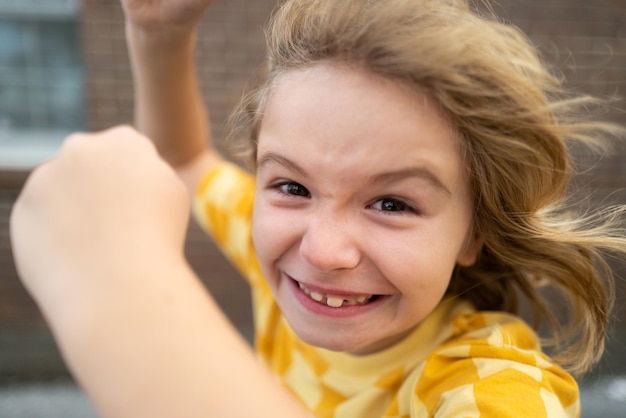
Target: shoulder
[[493, 334], [224, 190], [222, 179], [222, 206], [493, 365]]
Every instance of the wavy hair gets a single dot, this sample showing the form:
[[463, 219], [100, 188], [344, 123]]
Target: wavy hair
[[516, 122]]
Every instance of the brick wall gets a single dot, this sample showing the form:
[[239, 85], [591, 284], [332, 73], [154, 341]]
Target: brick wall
[[16, 308], [586, 40]]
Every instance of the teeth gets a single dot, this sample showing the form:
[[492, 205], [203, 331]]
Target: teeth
[[334, 301], [316, 296]]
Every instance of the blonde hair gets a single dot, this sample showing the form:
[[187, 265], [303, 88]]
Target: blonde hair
[[515, 122]]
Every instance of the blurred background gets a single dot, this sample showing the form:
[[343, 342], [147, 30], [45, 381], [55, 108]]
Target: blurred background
[[64, 67]]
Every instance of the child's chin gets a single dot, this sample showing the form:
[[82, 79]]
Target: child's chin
[[335, 341]]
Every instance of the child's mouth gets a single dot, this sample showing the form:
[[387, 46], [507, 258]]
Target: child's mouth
[[335, 301]]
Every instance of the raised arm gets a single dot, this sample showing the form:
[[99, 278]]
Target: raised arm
[[161, 37], [97, 235]]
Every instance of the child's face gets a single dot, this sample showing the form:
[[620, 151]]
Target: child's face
[[362, 207]]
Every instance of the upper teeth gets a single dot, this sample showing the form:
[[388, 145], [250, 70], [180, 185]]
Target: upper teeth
[[334, 301]]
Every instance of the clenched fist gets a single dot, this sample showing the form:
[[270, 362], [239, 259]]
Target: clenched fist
[[106, 204]]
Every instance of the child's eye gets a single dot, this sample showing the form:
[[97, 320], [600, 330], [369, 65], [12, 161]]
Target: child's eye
[[294, 189], [388, 204]]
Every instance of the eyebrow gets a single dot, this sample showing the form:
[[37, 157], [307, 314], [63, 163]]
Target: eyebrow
[[385, 177], [271, 157], [415, 172]]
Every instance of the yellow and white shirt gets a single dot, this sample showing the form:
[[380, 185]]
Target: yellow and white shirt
[[457, 363]]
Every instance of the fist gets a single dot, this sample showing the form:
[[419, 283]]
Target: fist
[[105, 204]]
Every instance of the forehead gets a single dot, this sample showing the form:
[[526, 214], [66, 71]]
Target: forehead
[[335, 85], [342, 115]]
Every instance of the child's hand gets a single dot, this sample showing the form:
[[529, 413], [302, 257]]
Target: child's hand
[[98, 235], [157, 14], [106, 204]]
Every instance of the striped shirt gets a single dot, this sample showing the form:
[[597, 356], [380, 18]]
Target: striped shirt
[[457, 363]]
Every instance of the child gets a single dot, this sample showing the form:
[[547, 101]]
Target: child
[[411, 163]]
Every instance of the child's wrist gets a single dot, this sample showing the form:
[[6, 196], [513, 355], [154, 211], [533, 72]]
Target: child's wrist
[[164, 39], [86, 297]]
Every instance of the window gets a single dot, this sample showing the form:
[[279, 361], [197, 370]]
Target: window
[[41, 79]]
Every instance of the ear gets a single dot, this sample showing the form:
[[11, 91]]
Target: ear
[[469, 253]]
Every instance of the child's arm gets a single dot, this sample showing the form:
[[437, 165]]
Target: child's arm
[[98, 238], [161, 37]]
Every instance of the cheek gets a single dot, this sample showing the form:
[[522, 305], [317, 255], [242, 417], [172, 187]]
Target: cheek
[[272, 232], [261, 231], [418, 264]]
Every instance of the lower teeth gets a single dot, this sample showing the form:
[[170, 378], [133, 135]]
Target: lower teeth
[[335, 302]]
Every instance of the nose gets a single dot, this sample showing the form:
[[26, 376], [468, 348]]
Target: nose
[[330, 244]]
